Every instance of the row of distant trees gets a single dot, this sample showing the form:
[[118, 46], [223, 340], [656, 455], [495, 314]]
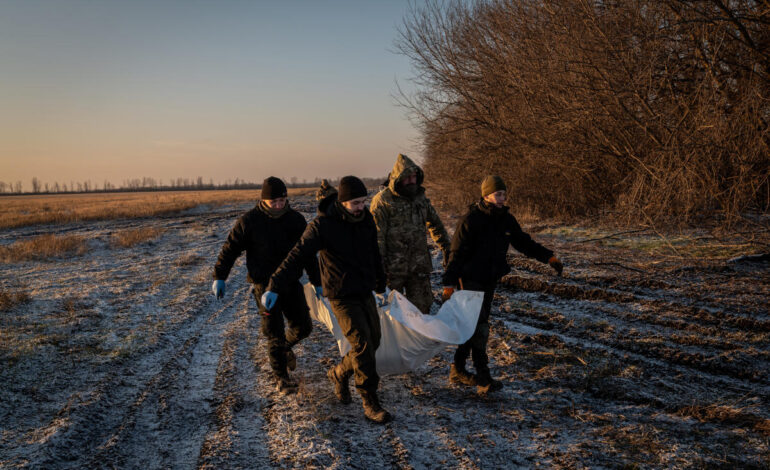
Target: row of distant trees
[[152, 184], [647, 110]]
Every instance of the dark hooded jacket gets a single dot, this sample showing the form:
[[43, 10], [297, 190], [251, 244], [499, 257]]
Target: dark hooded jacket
[[349, 258], [480, 245], [267, 240]]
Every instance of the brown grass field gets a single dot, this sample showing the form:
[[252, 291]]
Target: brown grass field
[[21, 211]]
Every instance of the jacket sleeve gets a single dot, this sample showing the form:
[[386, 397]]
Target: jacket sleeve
[[379, 271], [311, 264], [378, 211], [523, 243], [459, 252], [291, 267], [438, 232], [231, 250]]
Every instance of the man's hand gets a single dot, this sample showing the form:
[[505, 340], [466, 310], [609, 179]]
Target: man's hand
[[218, 287], [319, 292], [447, 294], [556, 265], [269, 299]]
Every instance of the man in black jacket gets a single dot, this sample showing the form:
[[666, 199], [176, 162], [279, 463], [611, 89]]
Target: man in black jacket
[[267, 233], [477, 260], [345, 235]]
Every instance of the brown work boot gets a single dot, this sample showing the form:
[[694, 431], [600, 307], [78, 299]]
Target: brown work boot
[[458, 375], [372, 408], [486, 383], [291, 359], [341, 388], [285, 384]]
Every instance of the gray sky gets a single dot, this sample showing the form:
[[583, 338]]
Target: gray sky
[[225, 89]]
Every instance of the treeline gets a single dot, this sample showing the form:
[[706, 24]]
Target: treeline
[[646, 110], [152, 184]]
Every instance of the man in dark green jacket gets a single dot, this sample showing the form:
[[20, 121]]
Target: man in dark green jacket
[[267, 233], [345, 237], [477, 260]]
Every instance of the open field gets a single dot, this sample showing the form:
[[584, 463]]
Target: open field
[[20, 211], [636, 358]]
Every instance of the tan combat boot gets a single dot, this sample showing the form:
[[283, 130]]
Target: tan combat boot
[[458, 375], [486, 383], [372, 408]]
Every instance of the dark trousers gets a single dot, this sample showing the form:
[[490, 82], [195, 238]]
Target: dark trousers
[[360, 323], [477, 344], [291, 305]]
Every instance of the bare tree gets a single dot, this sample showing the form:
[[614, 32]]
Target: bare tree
[[653, 109]]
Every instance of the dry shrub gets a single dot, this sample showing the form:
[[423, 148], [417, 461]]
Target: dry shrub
[[10, 299], [651, 110], [130, 237], [20, 211], [43, 247]]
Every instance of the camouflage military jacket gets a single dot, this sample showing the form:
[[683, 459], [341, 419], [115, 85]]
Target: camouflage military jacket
[[402, 225]]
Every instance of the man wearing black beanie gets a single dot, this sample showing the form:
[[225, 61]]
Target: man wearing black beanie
[[346, 237], [267, 233]]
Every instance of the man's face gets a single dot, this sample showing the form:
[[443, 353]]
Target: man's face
[[411, 179], [497, 198], [277, 203], [355, 206]]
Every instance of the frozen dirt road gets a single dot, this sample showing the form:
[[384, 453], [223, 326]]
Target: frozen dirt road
[[121, 358]]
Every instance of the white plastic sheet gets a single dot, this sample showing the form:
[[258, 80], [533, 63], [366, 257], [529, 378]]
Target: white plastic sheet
[[409, 338]]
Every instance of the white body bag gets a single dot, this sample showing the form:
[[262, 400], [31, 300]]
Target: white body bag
[[409, 338]]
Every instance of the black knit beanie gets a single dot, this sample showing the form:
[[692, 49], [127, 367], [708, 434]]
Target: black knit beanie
[[273, 188], [492, 184], [350, 188]]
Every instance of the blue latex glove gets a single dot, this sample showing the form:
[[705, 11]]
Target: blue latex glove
[[382, 299], [219, 288], [319, 292], [269, 299]]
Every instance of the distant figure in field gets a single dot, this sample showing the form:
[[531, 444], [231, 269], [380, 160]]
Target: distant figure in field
[[477, 260], [345, 237], [267, 233], [325, 190], [403, 216]]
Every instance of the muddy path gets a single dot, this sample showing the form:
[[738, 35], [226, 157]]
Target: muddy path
[[121, 358]]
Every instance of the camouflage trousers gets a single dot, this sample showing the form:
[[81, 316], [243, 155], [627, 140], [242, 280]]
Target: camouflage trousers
[[416, 288]]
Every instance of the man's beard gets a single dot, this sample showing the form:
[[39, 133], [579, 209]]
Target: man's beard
[[409, 190]]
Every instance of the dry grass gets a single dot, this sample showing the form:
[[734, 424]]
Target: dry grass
[[131, 237], [20, 211], [43, 247], [9, 299]]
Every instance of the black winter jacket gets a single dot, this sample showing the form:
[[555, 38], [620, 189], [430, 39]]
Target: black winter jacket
[[349, 255], [267, 240], [480, 244]]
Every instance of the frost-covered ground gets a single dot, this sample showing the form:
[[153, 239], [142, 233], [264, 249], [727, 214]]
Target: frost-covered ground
[[122, 359]]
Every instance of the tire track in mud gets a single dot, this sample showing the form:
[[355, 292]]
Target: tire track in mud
[[236, 439], [718, 318], [697, 386], [98, 420]]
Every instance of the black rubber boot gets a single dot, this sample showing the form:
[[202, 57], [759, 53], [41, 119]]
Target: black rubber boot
[[458, 375], [372, 408], [341, 387]]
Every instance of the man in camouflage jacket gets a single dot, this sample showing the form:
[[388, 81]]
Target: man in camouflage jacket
[[402, 214]]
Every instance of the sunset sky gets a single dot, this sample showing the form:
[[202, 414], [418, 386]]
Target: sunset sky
[[111, 90]]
